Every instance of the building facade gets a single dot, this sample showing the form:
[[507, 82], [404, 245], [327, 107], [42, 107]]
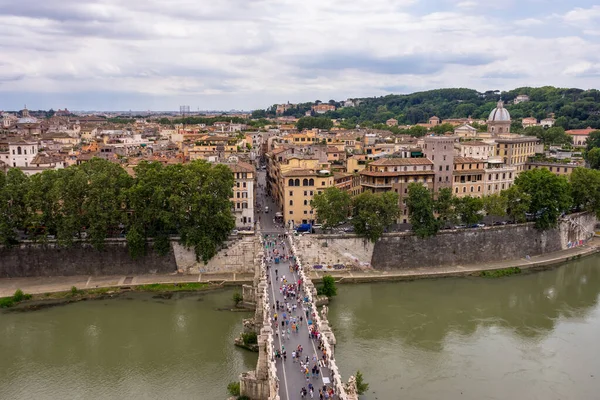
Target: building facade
[[440, 150], [468, 177], [395, 174]]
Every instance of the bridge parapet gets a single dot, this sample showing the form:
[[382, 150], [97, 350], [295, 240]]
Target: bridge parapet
[[344, 391]]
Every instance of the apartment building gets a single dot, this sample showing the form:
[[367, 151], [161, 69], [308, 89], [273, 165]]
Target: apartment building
[[467, 177], [556, 167], [395, 174], [242, 201], [476, 149], [515, 151], [497, 176], [440, 150]]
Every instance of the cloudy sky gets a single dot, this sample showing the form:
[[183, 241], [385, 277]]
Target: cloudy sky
[[248, 54]]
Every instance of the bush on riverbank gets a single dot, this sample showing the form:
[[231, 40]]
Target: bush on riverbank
[[361, 385], [328, 288], [500, 272], [250, 338], [234, 388], [6, 302]]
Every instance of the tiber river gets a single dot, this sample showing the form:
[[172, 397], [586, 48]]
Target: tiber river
[[534, 336]]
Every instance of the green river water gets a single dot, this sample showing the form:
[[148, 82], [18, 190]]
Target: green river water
[[533, 336]]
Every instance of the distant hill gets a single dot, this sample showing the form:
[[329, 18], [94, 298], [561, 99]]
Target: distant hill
[[572, 108]]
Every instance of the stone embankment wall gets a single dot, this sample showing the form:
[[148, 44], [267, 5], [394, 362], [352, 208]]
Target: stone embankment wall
[[30, 259], [35, 259], [447, 248]]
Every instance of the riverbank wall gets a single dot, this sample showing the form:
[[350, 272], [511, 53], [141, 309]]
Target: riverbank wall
[[29, 259], [399, 251]]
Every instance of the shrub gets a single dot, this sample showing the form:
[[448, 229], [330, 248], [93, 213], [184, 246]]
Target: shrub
[[361, 386], [250, 338], [237, 298], [18, 296], [74, 291], [234, 388], [500, 272], [328, 288]]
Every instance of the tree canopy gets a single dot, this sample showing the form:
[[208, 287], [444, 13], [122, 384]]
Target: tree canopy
[[374, 213], [98, 199], [333, 206]]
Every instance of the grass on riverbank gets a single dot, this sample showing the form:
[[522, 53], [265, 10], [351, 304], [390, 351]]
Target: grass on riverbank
[[499, 273], [19, 296]]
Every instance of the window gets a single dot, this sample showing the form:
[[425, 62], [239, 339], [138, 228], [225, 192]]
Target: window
[[305, 202], [19, 150], [479, 188], [447, 168], [311, 192], [471, 189], [444, 156], [305, 192], [464, 189], [311, 182], [238, 195], [305, 212], [440, 168], [291, 202], [291, 212], [323, 183], [297, 182], [456, 190], [291, 182], [305, 182], [244, 184], [291, 193]]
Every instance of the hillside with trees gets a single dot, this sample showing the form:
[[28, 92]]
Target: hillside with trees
[[572, 108]]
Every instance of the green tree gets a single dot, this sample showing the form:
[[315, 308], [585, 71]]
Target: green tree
[[468, 209], [585, 189], [314, 122], [233, 388], [420, 209], [333, 206], [13, 205], [328, 288], [550, 195], [495, 206], [443, 128], [593, 157], [444, 205], [374, 213], [517, 203], [361, 385], [593, 140]]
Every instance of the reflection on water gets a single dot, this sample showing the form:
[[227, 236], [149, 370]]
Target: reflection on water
[[140, 349], [522, 337]]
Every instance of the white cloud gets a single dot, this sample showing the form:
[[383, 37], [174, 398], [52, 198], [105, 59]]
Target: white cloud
[[252, 53], [582, 15], [467, 4], [528, 22]]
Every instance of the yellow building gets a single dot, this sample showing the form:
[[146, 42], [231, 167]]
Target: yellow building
[[516, 151], [467, 177], [557, 168]]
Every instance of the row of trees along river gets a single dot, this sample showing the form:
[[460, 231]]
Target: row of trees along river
[[99, 199], [538, 194]]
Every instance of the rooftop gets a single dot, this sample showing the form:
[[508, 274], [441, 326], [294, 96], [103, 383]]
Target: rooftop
[[402, 161]]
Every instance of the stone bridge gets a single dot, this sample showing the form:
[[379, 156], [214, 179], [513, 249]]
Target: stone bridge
[[275, 378]]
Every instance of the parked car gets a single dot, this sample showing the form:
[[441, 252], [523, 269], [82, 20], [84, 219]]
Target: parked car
[[460, 226]]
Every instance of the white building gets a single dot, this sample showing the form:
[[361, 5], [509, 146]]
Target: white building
[[547, 122], [521, 99], [498, 177], [20, 153], [477, 150]]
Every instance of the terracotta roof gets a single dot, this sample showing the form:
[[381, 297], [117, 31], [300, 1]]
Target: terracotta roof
[[463, 160], [300, 172], [580, 131], [241, 167], [476, 144], [402, 161], [397, 173]]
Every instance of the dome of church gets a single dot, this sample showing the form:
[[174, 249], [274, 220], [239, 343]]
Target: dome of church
[[27, 120], [499, 113]]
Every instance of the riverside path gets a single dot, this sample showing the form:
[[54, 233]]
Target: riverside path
[[292, 378]]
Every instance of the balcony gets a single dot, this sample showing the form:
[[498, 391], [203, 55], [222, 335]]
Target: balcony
[[377, 184]]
